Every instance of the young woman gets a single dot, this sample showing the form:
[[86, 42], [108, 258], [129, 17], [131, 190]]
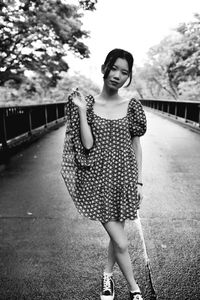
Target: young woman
[[102, 162]]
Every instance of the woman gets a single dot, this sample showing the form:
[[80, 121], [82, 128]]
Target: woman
[[102, 162]]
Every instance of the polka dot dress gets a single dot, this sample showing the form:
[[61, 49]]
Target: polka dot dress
[[102, 180]]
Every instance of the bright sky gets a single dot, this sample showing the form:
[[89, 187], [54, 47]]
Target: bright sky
[[134, 25]]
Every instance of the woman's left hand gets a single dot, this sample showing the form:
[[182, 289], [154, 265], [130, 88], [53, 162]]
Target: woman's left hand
[[78, 99], [139, 193]]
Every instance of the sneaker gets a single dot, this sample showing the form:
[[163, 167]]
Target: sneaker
[[136, 296], [108, 292]]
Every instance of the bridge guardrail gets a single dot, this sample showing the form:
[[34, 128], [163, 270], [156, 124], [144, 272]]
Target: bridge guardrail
[[189, 111], [20, 120], [16, 121]]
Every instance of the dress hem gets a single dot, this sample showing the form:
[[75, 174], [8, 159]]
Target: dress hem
[[133, 218]]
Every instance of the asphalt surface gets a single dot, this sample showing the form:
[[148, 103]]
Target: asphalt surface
[[48, 251]]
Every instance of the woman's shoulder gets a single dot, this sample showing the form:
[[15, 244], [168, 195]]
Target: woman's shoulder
[[135, 103]]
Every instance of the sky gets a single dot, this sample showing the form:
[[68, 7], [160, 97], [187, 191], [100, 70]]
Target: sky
[[134, 25]]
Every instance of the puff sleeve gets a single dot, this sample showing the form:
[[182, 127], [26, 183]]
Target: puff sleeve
[[137, 119], [74, 152]]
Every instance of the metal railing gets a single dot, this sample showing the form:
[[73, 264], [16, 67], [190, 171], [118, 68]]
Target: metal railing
[[189, 111], [23, 120]]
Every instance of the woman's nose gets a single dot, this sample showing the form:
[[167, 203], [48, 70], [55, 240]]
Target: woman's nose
[[117, 74]]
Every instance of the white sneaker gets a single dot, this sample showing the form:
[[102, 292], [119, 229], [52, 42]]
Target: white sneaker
[[108, 292], [136, 296]]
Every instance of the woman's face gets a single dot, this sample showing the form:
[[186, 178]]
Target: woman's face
[[118, 74]]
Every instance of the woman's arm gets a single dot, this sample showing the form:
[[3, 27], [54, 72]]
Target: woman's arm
[[138, 153], [85, 130]]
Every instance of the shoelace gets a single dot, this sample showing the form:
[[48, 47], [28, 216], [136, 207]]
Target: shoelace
[[107, 283]]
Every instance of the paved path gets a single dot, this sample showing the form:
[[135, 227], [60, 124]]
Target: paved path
[[49, 251]]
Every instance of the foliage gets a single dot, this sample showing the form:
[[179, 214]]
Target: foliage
[[152, 79], [69, 83], [88, 4], [184, 68], [36, 35], [173, 66], [32, 90]]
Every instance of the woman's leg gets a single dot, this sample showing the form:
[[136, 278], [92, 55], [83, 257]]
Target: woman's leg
[[119, 241], [111, 260]]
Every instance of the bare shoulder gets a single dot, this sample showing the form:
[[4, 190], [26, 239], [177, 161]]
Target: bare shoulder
[[124, 99], [98, 99]]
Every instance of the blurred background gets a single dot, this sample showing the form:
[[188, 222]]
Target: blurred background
[[49, 47]]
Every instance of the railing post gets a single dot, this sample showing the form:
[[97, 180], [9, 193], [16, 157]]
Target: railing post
[[175, 111], [3, 126], [29, 121], [168, 108], [199, 114], [45, 116], [185, 114], [56, 113], [64, 111]]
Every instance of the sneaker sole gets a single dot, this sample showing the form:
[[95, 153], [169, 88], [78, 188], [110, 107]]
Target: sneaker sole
[[102, 297]]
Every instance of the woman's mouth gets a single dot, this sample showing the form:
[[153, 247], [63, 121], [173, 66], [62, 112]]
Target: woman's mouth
[[114, 82]]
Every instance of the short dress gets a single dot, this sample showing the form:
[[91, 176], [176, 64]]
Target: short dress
[[102, 181]]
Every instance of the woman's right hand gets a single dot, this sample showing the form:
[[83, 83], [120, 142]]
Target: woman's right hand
[[79, 100]]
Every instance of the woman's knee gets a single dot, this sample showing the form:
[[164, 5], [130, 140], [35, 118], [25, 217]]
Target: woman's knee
[[117, 235], [121, 245]]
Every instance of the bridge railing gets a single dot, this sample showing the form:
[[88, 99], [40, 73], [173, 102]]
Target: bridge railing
[[189, 111], [23, 120]]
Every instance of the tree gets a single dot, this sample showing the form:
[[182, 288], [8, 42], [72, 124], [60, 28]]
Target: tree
[[173, 66], [151, 80], [184, 68], [157, 66], [68, 83], [88, 4], [32, 90], [37, 34]]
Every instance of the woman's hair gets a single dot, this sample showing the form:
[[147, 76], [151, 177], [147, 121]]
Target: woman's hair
[[113, 56]]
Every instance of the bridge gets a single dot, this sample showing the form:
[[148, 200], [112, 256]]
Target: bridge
[[49, 251]]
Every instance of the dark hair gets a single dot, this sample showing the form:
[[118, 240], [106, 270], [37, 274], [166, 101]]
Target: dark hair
[[113, 56]]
